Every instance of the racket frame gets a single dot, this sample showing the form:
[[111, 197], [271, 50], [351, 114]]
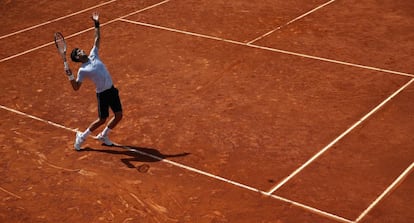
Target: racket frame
[[61, 47]]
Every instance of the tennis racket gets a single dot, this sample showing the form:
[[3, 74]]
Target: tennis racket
[[61, 47]]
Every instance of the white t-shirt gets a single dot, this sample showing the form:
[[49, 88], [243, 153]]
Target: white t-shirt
[[95, 70]]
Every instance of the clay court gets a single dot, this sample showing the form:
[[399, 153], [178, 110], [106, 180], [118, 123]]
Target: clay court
[[234, 111]]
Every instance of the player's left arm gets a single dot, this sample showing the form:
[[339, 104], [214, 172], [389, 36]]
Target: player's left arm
[[75, 83], [95, 18]]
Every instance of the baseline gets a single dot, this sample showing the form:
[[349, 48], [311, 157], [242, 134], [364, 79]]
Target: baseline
[[201, 172]]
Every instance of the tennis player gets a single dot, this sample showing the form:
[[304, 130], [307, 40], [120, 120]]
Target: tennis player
[[107, 95]]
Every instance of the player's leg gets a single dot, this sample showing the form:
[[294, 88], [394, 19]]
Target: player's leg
[[96, 124], [115, 105], [81, 136], [115, 120], [103, 113]]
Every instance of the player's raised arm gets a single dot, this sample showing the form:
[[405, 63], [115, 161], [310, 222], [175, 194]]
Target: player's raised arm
[[95, 18]]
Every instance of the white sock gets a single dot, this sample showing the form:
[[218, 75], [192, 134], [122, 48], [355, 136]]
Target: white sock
[[106, 131], [86, 133]]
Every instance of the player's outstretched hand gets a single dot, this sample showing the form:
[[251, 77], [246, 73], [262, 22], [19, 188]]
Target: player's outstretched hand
[[95, 18]]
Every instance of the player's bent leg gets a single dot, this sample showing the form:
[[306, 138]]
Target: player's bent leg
[[115, 120], [81, 137], [97, 123], [103, 136]]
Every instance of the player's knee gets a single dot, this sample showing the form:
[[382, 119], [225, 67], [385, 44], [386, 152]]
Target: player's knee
[[101, 121], [118, 116]]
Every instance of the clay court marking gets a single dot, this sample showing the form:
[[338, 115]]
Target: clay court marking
[[57, 19], [268, 48], [392, 187], [122, 19], [339, 137], [291, 21], [192, 169], [80, 32], [270, 193]]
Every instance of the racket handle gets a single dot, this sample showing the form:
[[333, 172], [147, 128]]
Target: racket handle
[[71, 77], [66, 65]]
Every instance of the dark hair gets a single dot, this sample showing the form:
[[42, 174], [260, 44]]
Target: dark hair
[[74, 55]]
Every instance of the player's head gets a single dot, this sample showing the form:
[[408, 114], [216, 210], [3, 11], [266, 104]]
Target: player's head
[[78, 55]]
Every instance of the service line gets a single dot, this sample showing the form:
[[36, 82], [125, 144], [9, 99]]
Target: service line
[[268, 48], [291, 21]]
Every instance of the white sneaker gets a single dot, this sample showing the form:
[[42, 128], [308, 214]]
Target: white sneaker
[[104, 139], [78, 141]]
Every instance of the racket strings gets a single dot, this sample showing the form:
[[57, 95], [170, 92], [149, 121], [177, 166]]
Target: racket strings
[[60, 43]]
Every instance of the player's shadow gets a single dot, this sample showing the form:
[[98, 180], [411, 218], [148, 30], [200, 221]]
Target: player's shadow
[[136, 154]]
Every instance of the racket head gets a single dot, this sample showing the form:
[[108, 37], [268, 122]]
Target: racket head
[[60, 43]]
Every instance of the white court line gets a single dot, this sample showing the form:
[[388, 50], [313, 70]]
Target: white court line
[[37, 118], [195, 170], [314, 210], [333, 61], [311, 209], [291, 21], [50, 43], [191, 169], [386, 192], [294, 173], [122, 18], [322, 213], [267, 48], [180, 31], [57, 19], [144, 9], [27, 51], [80, 32]]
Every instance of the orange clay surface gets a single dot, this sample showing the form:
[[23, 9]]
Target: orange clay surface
[[234, 111]]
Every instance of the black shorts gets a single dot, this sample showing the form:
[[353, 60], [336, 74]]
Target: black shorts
[[108, 99]]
